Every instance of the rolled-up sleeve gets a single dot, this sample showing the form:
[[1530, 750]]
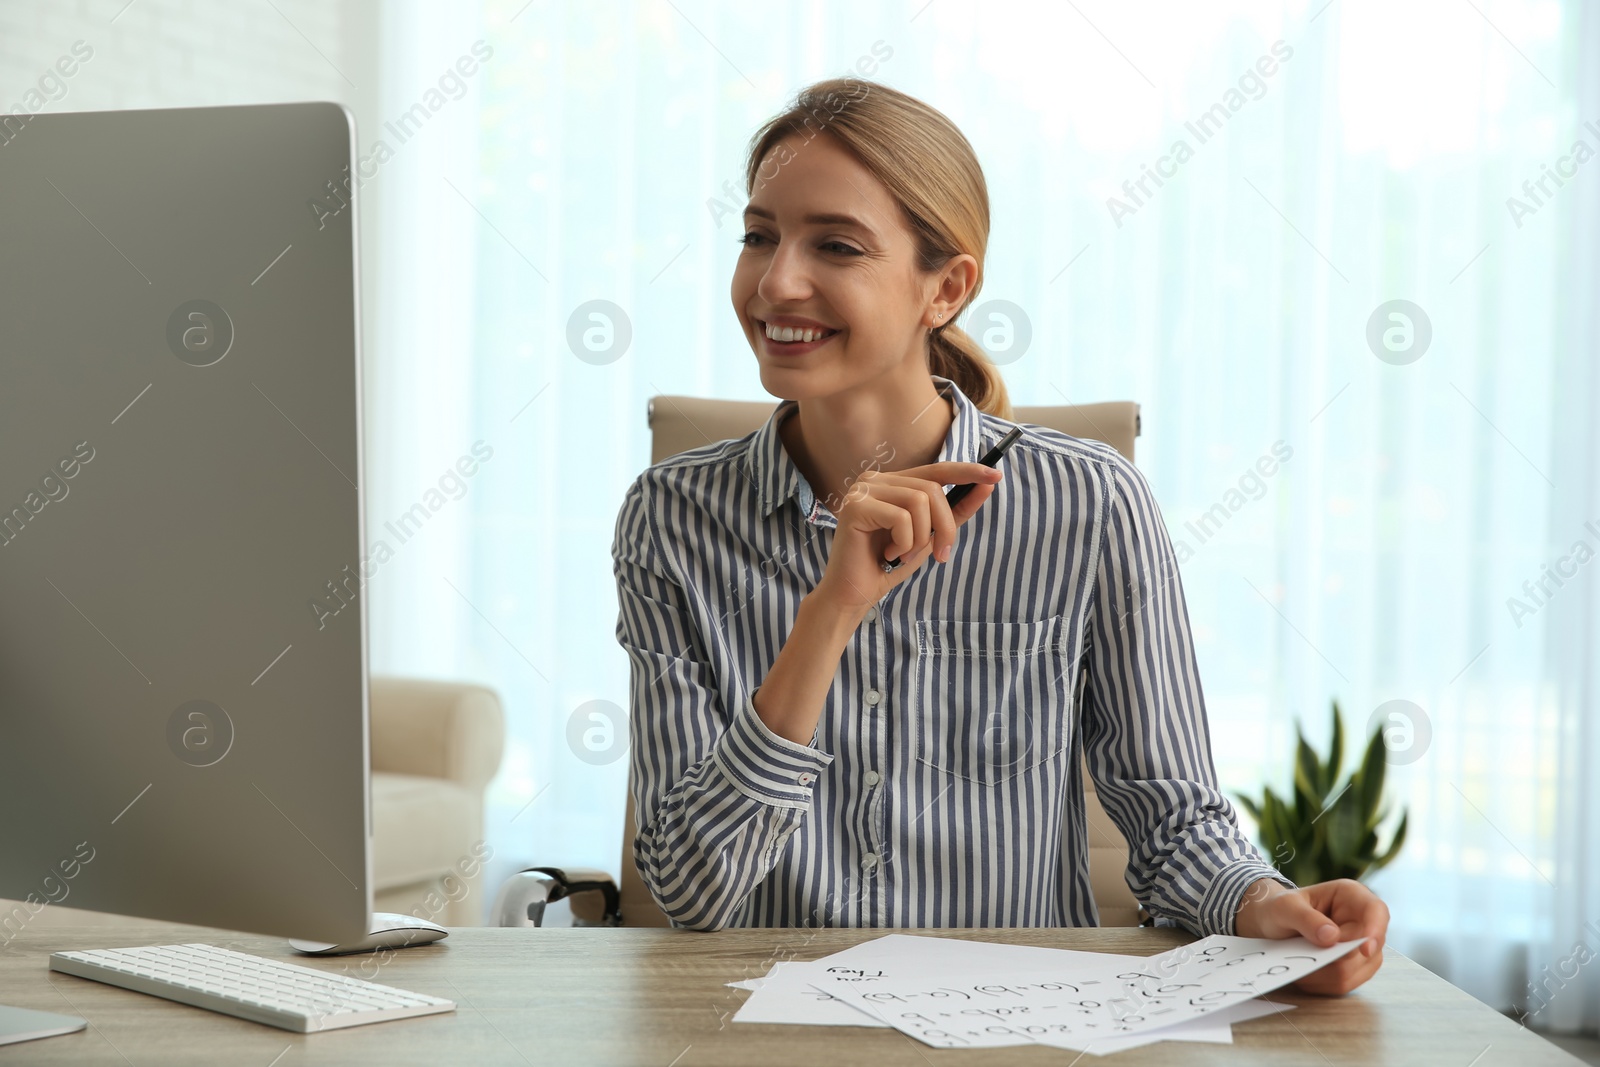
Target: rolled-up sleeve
[[1145, 732], [715, 791]]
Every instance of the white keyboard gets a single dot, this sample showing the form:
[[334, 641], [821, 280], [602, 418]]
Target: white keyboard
[[250, 987]]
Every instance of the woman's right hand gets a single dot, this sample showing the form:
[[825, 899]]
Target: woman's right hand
[[897, 513]]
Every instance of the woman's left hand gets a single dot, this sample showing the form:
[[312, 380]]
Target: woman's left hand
[[1324, 914]]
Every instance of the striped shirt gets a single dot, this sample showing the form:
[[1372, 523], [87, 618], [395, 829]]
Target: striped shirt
[[942, 786]]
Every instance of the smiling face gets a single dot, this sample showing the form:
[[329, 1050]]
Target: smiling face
[[827, 248]]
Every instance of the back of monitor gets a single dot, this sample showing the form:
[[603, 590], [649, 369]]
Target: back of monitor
[[182, 650]]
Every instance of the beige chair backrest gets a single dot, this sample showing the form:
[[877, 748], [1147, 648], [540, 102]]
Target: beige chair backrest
[[679, 423]]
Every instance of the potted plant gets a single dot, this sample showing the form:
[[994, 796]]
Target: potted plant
[[1330, 829]]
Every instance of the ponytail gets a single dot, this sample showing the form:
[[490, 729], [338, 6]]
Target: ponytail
[[953, 354]]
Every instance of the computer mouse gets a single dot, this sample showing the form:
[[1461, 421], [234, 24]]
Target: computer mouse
[[389, 930]]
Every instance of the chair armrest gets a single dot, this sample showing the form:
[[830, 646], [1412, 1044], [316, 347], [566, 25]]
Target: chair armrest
[[522, 897], [447, 730]]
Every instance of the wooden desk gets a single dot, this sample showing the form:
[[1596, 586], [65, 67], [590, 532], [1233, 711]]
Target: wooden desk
[[656, 998]]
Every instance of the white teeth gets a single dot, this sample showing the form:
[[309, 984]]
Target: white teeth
[[789, 333]]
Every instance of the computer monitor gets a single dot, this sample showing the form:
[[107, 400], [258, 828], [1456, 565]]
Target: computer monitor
[[183, 682]]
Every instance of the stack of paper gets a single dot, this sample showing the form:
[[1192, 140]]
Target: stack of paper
[[953, 993]]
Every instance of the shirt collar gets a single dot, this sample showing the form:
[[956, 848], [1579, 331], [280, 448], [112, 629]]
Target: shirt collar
[[778, 479]]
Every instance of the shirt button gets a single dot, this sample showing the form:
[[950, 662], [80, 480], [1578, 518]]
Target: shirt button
[[872, 778], [873, 696], [870, 860], [872, 614], [805, 778]]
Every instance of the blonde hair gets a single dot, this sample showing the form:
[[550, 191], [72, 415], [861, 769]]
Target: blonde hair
[[929, 168]]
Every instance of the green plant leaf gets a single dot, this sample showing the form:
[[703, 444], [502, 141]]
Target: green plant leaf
[[1268, 819], [1308, 773], [1305, 870], [1395, 842], [1327, 828], [1305, 805], [1346, 827], [1336, 746], [1277, 828], [1371, 775]]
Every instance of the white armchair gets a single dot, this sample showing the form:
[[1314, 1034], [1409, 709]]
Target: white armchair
[[435, 746]]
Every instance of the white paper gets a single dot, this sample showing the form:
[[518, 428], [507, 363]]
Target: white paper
[[810, 1006], [828, 991], [1082, 1002], [788, 993], [1215, 1028], [921, 950]]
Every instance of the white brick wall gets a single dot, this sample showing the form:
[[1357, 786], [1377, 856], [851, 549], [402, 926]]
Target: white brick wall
[[175, 53]]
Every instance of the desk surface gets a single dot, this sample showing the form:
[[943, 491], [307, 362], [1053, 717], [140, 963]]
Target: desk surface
[[656, 998]]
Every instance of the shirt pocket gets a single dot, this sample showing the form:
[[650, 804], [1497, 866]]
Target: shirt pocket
[[993, 699]]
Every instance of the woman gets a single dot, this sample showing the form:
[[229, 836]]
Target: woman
[[818, 740]]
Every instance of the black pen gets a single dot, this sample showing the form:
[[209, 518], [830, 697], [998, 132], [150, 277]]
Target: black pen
[[959, 493]]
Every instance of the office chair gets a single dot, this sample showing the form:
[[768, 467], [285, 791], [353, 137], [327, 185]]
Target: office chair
[[679, 423]]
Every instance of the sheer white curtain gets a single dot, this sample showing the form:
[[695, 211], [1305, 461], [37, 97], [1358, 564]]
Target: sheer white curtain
[[1337, 157], [1563, 984]]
